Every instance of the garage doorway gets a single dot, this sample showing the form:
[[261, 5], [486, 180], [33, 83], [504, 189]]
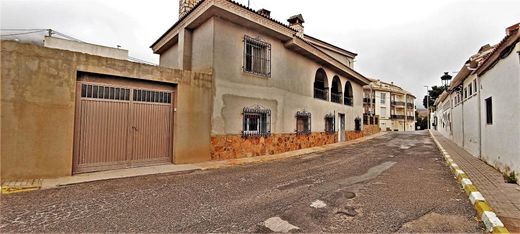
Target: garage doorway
[[121, 123]]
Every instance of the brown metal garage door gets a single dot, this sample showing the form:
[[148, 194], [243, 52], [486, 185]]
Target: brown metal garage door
[[121, 124]]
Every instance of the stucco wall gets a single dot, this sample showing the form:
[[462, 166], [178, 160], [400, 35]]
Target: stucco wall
[[288, 90], [471, 121], [457, 120], [38, 107], [170, 58], [500, 141], [104, 51]]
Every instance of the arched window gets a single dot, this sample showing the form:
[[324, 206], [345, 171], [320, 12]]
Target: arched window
[[321, 85], [336, 92], [349, 95]]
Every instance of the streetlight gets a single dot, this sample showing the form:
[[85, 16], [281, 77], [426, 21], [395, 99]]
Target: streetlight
[[428, 104]]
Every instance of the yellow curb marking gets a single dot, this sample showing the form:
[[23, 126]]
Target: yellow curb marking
[[500, 230], [482, 206], [470, 188]]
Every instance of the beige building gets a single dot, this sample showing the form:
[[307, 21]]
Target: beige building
[[276, 89], [394, 106], [232, 83]]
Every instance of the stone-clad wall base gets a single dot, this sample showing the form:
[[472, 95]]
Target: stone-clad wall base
[[236, 146], [367, 131]]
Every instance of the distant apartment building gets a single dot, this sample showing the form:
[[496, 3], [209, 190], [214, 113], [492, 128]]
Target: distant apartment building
[[480, 109], [394, 106]]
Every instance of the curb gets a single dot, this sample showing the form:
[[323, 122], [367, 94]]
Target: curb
[[484, 210]]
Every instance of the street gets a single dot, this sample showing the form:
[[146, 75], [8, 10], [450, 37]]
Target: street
[[397, 182]]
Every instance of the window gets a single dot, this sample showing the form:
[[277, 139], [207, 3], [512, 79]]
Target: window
[[489, 111], [330, 123], [383, 98], [465, 93], [303, 122], [256, 122], [348, 97], [475, 85], [257, 57], [321, 85], [470, 89]]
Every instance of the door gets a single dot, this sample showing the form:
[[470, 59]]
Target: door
[[341, 127], [121, 124]]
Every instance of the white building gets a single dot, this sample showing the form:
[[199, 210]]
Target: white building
[[481, 108], [394, 106]]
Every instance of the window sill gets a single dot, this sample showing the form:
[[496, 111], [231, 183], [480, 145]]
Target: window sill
[[256, 75]]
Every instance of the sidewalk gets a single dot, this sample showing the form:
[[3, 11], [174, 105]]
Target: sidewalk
[[31, 185], [504, 198]]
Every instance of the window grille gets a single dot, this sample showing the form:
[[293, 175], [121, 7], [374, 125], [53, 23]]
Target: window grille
[[141, 95], [256, 122], [105, 92], [303, 123], [257, 57], [330, 123]]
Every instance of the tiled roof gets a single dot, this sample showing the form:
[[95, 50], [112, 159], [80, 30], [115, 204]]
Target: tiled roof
[[251, 10]]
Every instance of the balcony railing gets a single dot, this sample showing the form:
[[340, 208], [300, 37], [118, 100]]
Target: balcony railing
[[410, 105], [397, 103], [335, 97], [320, 94], [398, 117], [411, 118], [347, 101]]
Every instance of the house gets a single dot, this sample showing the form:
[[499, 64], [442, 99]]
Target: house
[[275, 88], [394, 106], [480, 109], [232, 82]]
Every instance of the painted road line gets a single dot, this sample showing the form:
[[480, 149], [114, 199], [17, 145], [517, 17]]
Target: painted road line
[[484, 210]]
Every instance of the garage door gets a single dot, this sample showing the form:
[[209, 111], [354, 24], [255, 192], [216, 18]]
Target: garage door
[[122, 124]]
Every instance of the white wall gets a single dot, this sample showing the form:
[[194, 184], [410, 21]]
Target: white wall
[[501, 140], [471, 124]]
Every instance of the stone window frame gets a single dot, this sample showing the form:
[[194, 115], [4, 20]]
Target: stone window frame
[[306, 117], [330, 123], [263, 118], [250, 58]]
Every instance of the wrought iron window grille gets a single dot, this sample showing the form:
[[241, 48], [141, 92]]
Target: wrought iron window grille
[[257, 57], [256, 121], [330, 124], [303, 122]]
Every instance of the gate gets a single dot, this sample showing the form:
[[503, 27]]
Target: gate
[[122, 124]]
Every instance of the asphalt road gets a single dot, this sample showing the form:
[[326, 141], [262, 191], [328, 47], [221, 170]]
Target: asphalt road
[[394, 183]]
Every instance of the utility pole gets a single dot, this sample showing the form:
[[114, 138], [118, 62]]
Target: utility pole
[[428, 104]]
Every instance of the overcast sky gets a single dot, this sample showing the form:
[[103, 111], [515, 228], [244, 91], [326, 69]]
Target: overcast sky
[[409, 42]]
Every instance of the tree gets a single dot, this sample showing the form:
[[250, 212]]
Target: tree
[[434, 93]]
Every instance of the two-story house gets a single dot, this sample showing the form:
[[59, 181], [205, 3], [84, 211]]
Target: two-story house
[[275, 88]]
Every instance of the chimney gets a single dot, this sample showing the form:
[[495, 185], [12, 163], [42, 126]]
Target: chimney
[[264, 12], [296, 23], [186, 6]]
